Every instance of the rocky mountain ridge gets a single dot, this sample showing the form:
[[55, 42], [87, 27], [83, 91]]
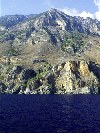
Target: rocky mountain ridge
[[8, 21], [54, 17], [51, 27]]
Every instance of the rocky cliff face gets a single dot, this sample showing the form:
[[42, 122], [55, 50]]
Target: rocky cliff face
[[76, 78], [71, 77]]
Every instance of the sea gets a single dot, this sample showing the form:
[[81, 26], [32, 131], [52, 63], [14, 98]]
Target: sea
[[49, 113]]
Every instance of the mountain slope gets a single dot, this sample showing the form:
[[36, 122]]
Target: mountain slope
[[51, 32]]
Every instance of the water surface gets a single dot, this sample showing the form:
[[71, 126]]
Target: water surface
[[49, 114]]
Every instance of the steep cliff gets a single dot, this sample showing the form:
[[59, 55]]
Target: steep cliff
[[76, 77], [70, 77]]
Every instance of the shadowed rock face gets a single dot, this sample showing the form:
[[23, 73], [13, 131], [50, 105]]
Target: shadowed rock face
[[95, 68], [71, 77], [27, 74]]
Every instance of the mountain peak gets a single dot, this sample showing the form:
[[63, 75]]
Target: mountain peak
[[54, 10]]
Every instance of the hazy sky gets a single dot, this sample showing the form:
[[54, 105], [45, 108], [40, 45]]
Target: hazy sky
[[0, 7], [83, 8]]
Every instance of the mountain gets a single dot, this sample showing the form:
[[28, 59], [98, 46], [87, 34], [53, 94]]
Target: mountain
[[52, 50], [9, 21], [52, 27]]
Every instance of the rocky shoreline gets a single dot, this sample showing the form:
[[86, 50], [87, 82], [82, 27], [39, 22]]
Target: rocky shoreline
[[70, 77]]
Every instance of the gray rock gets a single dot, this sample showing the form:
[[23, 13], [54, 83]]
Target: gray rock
[[2, 87], [17, 69]]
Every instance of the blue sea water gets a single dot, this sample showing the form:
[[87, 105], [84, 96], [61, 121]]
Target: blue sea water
[[49, 114]]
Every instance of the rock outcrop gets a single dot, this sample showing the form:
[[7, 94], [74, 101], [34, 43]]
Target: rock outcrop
[[76, 78], [70, 77]]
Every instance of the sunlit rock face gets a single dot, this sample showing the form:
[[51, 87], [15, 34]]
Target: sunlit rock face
[[76, 77]]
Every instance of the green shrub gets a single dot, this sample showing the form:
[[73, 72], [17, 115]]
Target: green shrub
[[74, 40], [12, 51]]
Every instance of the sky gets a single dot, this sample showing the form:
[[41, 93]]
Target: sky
[[83, 8]]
